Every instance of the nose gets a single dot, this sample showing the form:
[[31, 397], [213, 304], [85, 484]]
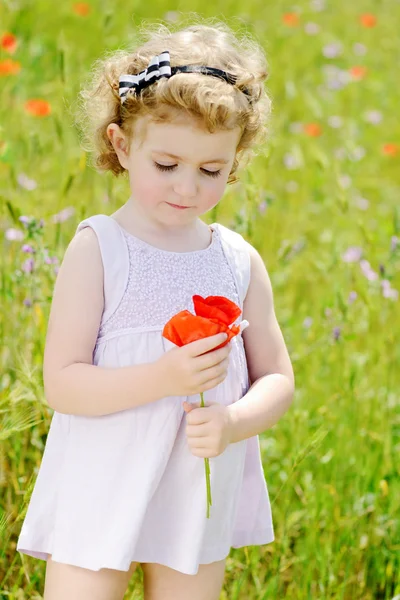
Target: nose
[[186, 185]]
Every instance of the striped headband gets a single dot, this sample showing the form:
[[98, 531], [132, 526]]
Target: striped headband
[[159, 66]]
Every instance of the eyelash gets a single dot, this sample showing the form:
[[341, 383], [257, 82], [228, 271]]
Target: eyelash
[[172, 167]]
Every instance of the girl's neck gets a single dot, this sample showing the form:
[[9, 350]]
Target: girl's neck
[[187, 238]]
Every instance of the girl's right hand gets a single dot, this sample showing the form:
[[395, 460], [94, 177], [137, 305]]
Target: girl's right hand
[[192, 368]]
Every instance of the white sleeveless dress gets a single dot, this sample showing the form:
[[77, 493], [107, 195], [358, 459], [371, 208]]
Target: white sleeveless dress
[[125, 487]]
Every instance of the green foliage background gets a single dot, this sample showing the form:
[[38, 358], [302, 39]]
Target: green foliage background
[[331, 463]]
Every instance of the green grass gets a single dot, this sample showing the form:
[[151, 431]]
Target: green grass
[[331, 463]]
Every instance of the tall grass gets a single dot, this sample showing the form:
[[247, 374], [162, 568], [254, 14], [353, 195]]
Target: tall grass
[[320, 202]]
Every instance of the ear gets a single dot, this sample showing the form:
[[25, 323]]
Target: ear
[[119, 142]]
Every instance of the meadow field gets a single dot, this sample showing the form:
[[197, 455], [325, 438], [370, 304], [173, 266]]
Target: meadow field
[[321, 203]]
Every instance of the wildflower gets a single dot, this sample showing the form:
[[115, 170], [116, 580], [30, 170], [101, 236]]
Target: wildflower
[[9, 42], [27, 248], [291, 19], [308, 321], [81, 8], [28, 265], [359, 49], [394, 242], [312, 129], [335, 121], [368, 271], [312, 28], [352, 297], [373, 116], [37, 107], [352, 254], [26, 183], [14, 235], [336, 333], [368, 20], [391, 149], [358, 72], [332, 50], [8, 66], [63, 215]]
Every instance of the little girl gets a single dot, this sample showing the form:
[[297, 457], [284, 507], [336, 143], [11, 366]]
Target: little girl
[[122, 480]]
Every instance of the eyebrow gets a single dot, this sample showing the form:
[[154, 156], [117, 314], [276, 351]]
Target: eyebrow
[[175, 157]]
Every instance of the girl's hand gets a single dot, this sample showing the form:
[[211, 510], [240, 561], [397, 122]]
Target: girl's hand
[[193, 368], [208, 429]]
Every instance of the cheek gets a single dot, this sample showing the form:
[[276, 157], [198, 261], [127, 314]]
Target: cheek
[[213, 192], [147, 186]]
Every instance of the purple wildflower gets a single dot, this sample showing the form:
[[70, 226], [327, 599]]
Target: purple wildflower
[[28, 302], [26, 183], [352, 297], [336, 333], [28, 265], [63, 215], [308, 321], [25, 220], [14, 235], [352, 254], [368, 271], [27, 248]]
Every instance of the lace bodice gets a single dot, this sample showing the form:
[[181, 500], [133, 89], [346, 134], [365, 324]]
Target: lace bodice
[[162, 283]]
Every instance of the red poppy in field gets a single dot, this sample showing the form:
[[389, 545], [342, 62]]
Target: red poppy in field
[[82, 9], [291, 19], [358, 72], [8, 66], [213, 315], [37, 107], [368, 20], [9, 42], [391, 149], [312, 129]]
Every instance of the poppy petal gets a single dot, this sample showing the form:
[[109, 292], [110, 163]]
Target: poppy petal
[[216, 307]]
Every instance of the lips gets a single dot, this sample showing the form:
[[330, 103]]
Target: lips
[[177, 206]]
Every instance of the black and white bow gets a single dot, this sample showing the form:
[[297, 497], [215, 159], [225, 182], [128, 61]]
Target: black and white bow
[[158, 67]]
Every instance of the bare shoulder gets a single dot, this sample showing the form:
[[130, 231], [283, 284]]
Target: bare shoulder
[[77, 306], [265, 347]]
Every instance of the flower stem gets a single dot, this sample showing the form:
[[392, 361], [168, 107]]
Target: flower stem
[[207, 469]]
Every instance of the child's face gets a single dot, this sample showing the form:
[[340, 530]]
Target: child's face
[[194, 178]]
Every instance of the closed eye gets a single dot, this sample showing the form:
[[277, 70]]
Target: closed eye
[[173, 167]]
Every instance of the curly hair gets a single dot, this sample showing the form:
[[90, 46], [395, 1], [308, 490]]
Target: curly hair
[[212, 102]]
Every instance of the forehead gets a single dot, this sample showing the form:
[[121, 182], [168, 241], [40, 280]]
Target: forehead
[[184, 137]]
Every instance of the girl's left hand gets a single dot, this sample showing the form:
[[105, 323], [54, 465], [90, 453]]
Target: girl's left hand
[[208, 428]]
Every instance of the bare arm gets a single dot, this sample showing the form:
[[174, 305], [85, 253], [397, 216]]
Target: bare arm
[[270, 369], [73, 385]]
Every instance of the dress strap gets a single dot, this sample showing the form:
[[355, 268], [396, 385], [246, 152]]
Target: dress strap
[[236, 250], [115, 257]]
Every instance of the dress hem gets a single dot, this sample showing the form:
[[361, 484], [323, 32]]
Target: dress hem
[[216, 553]]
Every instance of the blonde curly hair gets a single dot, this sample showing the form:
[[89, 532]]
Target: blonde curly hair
[[212, 102]]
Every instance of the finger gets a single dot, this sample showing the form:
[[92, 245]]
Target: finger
[[204, 345], [213, 358], [198, 416], [215, 372], [196, 431]]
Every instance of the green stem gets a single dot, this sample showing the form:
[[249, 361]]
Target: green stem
[[207, 469]]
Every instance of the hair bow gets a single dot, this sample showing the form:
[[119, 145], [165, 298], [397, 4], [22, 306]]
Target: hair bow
[[158, 67]]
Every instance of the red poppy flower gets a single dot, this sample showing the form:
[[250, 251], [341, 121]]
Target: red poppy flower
[[368, 20], [391, 149], [358, 72], [9, 42], [9, 66], [312, 129], [291, 19], [213, 315], [38, 108], [82, 9]]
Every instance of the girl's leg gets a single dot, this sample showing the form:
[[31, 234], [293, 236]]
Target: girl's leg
[[163, 583], [66, 582]]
